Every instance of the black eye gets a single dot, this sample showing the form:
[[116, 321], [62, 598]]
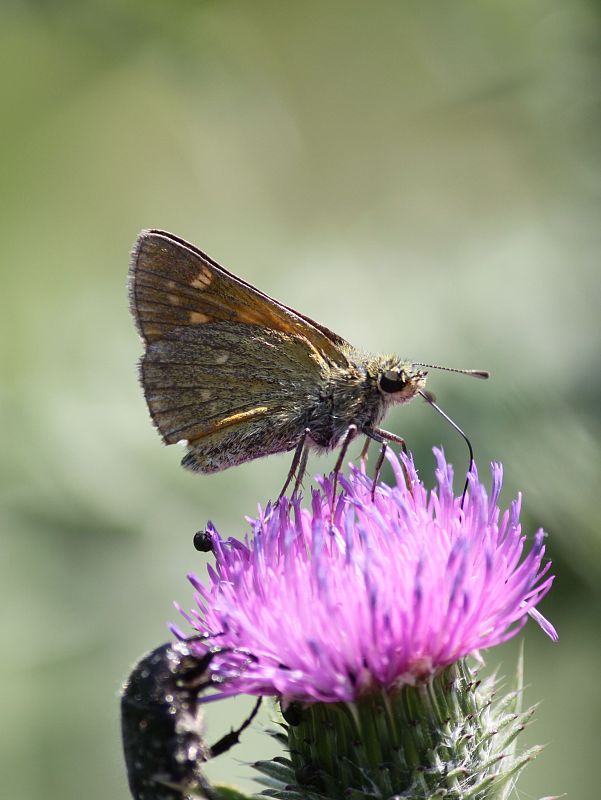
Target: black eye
[[392, 381]]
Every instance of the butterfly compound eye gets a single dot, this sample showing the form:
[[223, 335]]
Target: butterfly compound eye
[[391, 381]]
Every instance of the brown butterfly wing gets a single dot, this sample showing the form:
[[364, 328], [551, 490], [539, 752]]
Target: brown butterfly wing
[[226, 367], [173, 284], [199, 381], [233, 391]]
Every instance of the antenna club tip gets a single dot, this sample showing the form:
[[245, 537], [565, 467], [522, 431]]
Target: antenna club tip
[[480, 373]]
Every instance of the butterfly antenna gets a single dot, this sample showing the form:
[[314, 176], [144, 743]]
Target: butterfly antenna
[[474, 373], [429, 398]]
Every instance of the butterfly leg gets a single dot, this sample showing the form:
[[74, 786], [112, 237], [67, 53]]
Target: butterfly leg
[[370, 434], [377, 470], [348, 438], [388, 437], [233, 737], [363, 456], [300, 457], [302, 468], [382, 436]]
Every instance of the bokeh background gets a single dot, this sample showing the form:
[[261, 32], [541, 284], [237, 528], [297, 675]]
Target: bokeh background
[[422, 177]]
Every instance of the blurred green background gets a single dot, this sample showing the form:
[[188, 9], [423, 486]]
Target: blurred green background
[[422, 177]]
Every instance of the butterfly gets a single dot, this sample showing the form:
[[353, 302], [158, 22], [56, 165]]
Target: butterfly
[[238, 375]]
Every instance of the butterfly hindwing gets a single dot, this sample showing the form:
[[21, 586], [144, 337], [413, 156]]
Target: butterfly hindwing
[[207, 384]]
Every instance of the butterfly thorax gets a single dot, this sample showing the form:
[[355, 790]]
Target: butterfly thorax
[[359, 394]]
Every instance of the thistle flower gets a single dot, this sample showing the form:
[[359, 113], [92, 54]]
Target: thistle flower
[[396, 590], [360, 627]]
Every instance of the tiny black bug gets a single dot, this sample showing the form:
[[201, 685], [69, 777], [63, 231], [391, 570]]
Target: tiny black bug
[[203, 541], [161, 723]]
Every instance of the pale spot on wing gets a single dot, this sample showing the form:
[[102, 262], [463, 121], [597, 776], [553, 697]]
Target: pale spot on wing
[[173, 299], [171, 284], [205, 394], [152, 330], [221, 358], [203, 279], [198, 316]]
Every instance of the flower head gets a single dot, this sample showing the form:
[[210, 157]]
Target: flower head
[[395, 590]]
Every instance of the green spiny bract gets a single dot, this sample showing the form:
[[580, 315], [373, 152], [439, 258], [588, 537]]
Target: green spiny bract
[[448, 737]]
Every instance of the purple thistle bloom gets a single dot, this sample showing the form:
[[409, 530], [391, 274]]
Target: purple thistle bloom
[[395, 591]]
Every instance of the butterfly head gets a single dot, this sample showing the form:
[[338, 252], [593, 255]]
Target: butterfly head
[[399, 381]]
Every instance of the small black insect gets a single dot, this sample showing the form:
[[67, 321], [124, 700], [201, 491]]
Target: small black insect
[[161, 723], [203, 541]]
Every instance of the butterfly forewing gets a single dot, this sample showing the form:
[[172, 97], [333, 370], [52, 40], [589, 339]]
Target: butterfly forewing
[[173, 284]]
